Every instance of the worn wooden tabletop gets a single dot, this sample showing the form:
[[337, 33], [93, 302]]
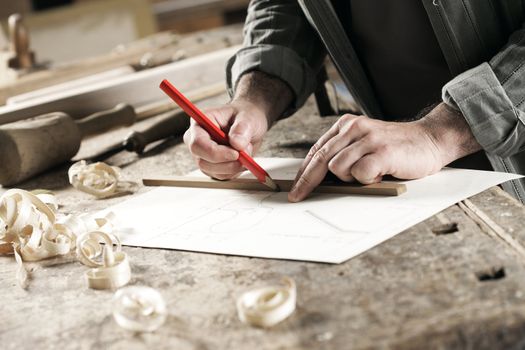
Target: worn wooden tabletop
[[421, 289]]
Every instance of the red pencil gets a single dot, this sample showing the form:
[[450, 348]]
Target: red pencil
[[216, 133]]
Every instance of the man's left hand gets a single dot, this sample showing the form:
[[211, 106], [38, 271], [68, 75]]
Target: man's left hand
[[364, 149]]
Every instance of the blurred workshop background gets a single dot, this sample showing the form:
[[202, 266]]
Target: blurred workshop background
[[69, 30], [49, 48]]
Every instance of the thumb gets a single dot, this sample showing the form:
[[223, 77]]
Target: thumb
[[241, 132]]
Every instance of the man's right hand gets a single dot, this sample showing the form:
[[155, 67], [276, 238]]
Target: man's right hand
[[259, 100], [243, 122]]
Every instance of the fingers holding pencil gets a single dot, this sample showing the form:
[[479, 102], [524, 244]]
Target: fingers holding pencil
[[220, 161], [258, 126]]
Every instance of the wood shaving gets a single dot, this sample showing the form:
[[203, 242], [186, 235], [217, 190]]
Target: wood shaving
[[267, 306], [26, 222], [139, 309], [110, 267], [21, 273], [48, 198], [26, 226], [32, 229], [98, 179]]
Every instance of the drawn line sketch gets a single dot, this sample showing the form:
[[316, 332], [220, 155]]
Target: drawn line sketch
[[333, 225], [237, 217], [324, 228]]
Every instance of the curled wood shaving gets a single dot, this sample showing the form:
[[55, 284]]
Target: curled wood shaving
[[22, 213], [27, 225], [31, 229], [110, 267], [21, 273], [139, 309], [267, 306], [48, 198], [80, 225], [98, 179]]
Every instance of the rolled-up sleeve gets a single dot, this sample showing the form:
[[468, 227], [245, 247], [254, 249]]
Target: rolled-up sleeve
[[491, 97], [278, 41]]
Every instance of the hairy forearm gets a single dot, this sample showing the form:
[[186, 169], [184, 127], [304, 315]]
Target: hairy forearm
[[450, 132], [270, 94]]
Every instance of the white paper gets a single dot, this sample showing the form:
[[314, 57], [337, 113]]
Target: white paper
[[325, 228]]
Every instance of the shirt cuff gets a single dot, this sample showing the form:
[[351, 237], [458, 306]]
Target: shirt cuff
[[278, 61], [493, 119]]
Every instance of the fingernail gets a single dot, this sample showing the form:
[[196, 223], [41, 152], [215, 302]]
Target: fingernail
[[293, 194]]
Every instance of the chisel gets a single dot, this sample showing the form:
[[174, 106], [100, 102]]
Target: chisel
[[173, 123]]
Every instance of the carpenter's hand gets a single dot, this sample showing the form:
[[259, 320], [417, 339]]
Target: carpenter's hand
[[243, 122], [364, 149]]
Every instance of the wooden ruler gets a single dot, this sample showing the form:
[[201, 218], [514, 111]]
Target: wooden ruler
[[378, 189]]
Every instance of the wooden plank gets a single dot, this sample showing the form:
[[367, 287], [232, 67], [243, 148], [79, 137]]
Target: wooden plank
[[156, 108], [73, 84], [184, 8], [189, 15], [135, 89], [378, 189], [490, 227], [157, 49]]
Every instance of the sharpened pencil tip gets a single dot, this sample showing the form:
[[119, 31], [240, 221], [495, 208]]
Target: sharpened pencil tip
[[270, 183]]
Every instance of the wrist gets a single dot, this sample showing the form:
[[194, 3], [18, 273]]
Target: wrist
[[256, 113], [449, 132], [268, 94]]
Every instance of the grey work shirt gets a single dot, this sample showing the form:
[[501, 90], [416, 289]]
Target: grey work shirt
[[394, 41], [400, 54], [483, 43]]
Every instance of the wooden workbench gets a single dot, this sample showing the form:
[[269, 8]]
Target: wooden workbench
[[462, 290]]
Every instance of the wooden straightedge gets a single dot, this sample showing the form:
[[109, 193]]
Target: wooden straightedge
[[378, 189]]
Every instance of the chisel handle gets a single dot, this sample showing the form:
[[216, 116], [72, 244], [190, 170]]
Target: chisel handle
[[173, 123], [122, 115]]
